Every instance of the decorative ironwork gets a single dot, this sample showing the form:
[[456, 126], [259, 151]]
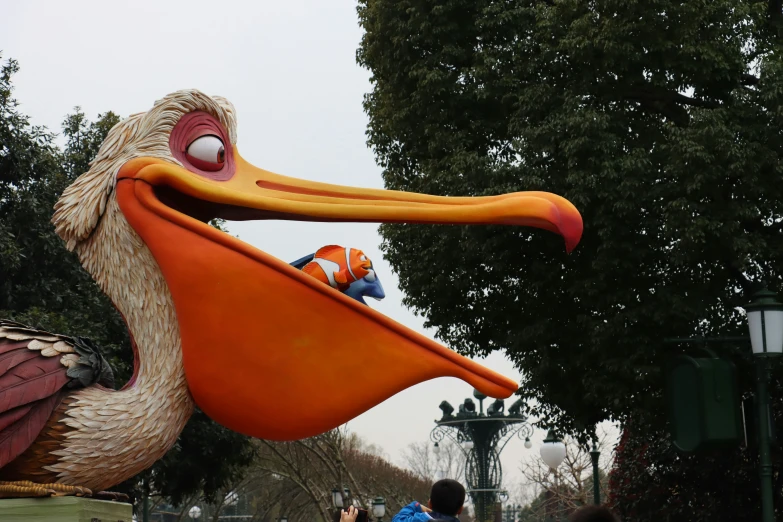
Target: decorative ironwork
[[481, 438]]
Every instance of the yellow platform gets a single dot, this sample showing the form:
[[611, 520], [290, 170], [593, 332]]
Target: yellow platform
[[64, 509]]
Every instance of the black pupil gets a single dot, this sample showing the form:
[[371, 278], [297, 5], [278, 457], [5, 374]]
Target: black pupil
[[221, 155]]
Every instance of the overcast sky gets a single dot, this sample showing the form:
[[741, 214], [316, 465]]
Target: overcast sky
[[289, 68]]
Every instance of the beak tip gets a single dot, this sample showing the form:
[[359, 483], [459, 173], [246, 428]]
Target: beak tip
[[571, 228]]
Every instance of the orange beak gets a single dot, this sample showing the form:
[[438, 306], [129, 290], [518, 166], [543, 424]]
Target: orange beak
[[269, 351]]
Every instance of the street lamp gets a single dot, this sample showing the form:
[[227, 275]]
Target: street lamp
[[482, 435], [512, 511], [594, 455], [378, 508], [765, 322], [553, 451], [337, 498], [195, 512]]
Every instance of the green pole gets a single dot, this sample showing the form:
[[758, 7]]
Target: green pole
[[145, 513], [594, 454], [765, 461]]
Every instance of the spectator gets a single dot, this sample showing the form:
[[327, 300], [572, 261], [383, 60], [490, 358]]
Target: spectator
[[446, 502], [349, 515]]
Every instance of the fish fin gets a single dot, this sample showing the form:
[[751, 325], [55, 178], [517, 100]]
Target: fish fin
[[302, 261], [328, 249], [310, 268], [341, 277]]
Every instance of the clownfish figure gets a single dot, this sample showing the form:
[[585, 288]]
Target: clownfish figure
[[339, 267], [367, 286]]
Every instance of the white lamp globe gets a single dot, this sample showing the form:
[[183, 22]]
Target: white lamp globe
[[379, 507], [553, 451], [765, 322], [337, 498], [194, 512]]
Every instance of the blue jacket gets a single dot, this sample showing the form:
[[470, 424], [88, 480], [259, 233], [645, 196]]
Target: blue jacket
[[413, 513]]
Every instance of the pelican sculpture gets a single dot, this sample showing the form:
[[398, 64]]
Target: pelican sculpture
[[214, 321]]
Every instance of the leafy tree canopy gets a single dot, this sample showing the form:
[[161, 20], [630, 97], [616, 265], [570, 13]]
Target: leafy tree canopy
[[659, 120]]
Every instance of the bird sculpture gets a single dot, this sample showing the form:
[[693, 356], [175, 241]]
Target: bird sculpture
[[214, 322], [496, 408]]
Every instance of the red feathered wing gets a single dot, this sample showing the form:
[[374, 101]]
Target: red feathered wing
[[37, 369], [31, 386]]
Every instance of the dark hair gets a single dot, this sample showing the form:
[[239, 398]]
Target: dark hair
[[447, 497], [593, 514]]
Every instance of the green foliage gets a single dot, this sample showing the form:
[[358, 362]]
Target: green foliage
[[84, 139], [658, 120], [653, 482], [43, 284]]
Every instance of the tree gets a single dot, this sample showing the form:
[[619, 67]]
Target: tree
[[309, 469], [659, 120], [449, 462], [651, 481], [43, 284], [558, 494]]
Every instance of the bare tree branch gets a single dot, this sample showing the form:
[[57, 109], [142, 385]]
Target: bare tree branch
[[558, 494]]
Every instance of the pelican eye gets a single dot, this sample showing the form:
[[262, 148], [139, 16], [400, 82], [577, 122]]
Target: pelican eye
[[207, 153]]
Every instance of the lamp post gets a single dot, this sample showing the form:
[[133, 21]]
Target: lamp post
[[337, 499], [594, 455], [145, 514], [553, 452], [765, 322], [511, 512], [482, 437], [341, 498], [378, 508], [194, 512]]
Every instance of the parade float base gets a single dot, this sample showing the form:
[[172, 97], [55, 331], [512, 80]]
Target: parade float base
[[64, 509]]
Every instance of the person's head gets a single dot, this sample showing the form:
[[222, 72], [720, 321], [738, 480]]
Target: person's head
[[447, 497], [593, 514]]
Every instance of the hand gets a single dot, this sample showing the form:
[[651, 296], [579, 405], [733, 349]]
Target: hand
[[425, 509], [350, 515]]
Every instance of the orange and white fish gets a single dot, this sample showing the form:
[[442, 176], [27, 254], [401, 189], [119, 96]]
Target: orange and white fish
[[338, 267]]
